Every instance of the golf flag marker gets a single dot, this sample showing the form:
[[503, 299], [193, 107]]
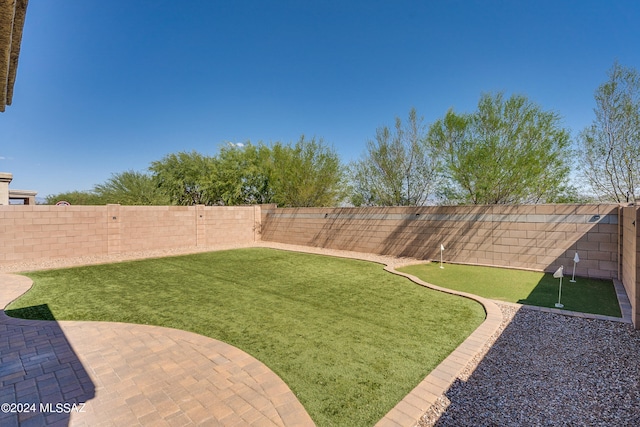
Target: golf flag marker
[[576, 260], [441, 251], [558, 275]]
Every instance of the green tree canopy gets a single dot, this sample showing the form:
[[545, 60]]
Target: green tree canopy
[[131, 188], [308, 173], [125, 188], [610, 147], [508, 151], [241, 175], [186, 178], [76, 198], [400, 168]]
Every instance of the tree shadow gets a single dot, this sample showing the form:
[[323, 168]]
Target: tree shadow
[[41, 377], [510, 236], [350, 229], [416, 232], [550, 369]]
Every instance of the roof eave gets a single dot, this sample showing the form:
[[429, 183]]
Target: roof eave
[[12, 17]]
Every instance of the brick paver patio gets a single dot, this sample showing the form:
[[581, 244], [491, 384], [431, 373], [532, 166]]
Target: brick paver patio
[[115, 374]]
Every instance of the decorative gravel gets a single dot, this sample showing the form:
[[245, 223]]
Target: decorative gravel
[[546, 369]]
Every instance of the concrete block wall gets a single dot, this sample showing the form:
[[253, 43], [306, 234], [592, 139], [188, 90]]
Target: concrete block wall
[[630, 259], [45, 232], [540, 237], [229, 224], [155, 227], [40, 232]]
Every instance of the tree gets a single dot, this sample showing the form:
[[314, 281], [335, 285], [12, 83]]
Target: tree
[[125, 188], [508, 151], [610, 147], [241, 176], [78, 198], [131, 188], [306, 174], [399, 168], [187, 178]]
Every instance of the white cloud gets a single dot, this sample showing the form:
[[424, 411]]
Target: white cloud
[[235, 144]]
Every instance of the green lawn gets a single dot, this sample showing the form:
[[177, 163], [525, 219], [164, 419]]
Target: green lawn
[[350, 339], [524, 287]]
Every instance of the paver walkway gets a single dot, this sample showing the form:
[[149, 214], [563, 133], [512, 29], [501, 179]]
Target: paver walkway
[[115, 374]]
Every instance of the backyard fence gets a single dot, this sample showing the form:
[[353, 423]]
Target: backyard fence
[[30, 233], [538, 237]]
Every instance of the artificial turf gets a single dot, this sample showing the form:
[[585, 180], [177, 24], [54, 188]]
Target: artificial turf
[[520, 286], [350, 339]]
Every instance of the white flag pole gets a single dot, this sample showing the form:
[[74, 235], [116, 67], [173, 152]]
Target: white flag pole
[[576, 259], [559, 274], [559, 305], [441, 251]]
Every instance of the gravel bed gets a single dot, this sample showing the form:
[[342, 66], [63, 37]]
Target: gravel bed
[[546, 369]]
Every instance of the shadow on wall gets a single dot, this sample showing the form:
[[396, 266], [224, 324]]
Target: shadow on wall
[[533, 237], [510, 238], [503, 236], [466, 237], [353, 229], [40, 372], [548, 369]]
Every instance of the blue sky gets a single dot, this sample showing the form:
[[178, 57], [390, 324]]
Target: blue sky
[[109, 86]]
